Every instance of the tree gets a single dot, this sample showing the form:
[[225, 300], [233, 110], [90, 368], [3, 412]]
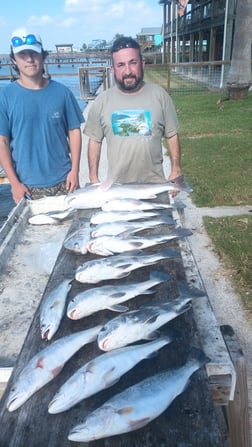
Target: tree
[[240, 76]]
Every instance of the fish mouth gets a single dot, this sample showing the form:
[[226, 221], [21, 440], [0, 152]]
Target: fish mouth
[[45, 333], [53, 407], [80, 435], [72, 314], [14, 403], [104, 345]]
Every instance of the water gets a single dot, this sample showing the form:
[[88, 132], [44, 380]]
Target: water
[[72, 82]]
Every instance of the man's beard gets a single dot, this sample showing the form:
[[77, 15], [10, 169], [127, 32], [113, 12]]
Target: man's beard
[[130, 87]]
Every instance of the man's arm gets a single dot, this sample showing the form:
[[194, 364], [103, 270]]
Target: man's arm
[[94, 153], [175, 156], [18, 188], [75, 143]]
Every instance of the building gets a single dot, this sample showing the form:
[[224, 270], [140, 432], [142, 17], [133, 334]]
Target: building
[[200, 31], [64, 48], [150, 39]]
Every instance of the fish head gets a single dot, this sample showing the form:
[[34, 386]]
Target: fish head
[[21, 390], [47, 330], [87, 273], [95, 426], [112, 334], [69, 393]]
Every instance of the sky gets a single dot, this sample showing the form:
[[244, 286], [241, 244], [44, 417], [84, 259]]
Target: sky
[[77, 21]]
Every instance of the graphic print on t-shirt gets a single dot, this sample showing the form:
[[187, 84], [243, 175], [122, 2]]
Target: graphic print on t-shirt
[[128, 123]]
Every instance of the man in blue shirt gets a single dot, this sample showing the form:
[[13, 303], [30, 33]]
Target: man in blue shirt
[[40, 137]]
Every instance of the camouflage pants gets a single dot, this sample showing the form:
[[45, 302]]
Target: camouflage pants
[[56, 190]]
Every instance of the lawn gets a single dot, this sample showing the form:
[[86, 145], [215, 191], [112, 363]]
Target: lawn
[[216, 136], [217, 160]]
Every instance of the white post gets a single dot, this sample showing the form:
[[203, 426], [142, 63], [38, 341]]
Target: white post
[[224, 43]]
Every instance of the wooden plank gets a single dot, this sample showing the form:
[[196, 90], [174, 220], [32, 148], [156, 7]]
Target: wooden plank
[[220, 370], [5, 373], [191, 420], [238, 409]]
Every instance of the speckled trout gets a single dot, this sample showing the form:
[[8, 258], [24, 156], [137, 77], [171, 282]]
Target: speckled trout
[[119, 227], [95, 195], [52, 309], [108, 245], [140, 324], [111, 297], [124, 216], [46, 365], [102, 372], [119, 266], [137, 205], [139, 404]]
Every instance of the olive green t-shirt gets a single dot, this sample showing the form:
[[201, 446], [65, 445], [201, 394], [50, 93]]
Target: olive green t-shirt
[[133, 125]]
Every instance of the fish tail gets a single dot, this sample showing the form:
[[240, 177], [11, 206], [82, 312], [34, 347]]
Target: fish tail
[[159, 276], [198, 356]]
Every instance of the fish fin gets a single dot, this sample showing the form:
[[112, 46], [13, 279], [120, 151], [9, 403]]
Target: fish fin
[[182, 232], [198, 355], [117, 295], [118, 308], [104, 186], [167, 253], [40, 363], [152, 319], [185, 308], [123, 275], [124, 266], [153, 336], [190, 291], [159, 276], [134, 425], [57, 370], [107, 380], [181, 184], [125, 410]]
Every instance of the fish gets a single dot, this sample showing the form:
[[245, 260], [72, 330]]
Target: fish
[[140, 324], [103, 372], [124, 216], [119, 266], [108, 245], [116, 228], [77, 241], [52, 309], [51, 217], [46, 365], [110, 297], [138, 205], [138, 405], [95, 195]]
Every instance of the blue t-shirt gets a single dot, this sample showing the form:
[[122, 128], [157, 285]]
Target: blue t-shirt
[[37, 123]]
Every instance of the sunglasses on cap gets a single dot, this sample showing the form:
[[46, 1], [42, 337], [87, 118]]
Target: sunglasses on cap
[[124, 42], [30, 39]]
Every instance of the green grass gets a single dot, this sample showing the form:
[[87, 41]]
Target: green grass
[[232, 238], [216, 136], [217, 160], [216, 148]]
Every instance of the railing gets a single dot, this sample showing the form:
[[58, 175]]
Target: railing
[[91, 79], [89, 76], [189, 78]]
